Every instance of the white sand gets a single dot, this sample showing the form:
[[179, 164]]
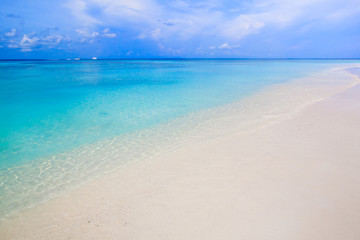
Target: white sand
[[296, 178]]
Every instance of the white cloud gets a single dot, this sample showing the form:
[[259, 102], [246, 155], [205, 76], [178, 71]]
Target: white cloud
[[86, 33], [51, 39], [181, 20], [106, 33], [347, 10], [134, 10], [25, 49], [12, 45], [184, 24], [114, 11], [94, 34], [78, 8], [227, 46], [168, 50], [224, 45], [156, 33], [28, 42], [109, 35], [12, 33], [241, 26], [283, 13], [89, 36]]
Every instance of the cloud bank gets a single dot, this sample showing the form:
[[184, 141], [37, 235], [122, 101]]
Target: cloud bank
[[186, 28]]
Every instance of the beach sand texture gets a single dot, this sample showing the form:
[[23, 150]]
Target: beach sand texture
[[296, 178]]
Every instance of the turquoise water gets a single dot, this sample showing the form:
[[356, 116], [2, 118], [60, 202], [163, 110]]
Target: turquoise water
[[65, 121], [48, 107]]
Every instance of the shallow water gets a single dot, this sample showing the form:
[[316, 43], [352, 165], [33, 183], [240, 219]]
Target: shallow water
[[59, 116]]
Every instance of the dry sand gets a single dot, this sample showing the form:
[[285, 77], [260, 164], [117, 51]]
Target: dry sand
[[298, 178]]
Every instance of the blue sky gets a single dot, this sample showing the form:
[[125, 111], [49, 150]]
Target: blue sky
[[179, 28]]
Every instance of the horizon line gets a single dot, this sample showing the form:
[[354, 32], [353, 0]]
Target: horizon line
[[166, 58]]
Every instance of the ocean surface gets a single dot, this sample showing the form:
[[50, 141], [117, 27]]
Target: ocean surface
[[53, 114]]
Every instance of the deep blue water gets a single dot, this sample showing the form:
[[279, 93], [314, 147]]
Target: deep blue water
[[49, 107]]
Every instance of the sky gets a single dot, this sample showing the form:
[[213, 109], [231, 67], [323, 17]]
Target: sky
[[179, 28]]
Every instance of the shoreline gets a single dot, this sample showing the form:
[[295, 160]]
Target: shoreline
[[171, 184]]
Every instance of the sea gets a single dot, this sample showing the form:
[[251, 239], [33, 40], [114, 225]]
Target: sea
[[63, 122]]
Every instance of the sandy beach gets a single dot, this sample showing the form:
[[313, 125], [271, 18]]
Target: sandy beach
[[293, 175]]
